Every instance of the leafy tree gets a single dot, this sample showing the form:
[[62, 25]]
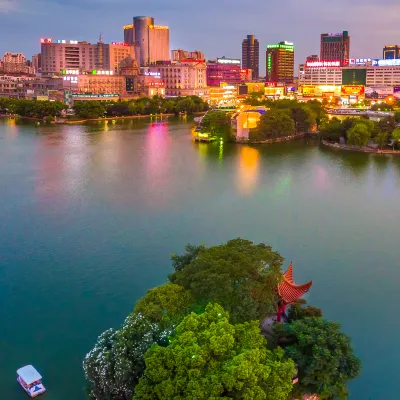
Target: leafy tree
[[396, 136], [319, 111], [397, 116], [382, 107], [323, 355], [165, 304], [115, 364], [273, 124], [209, 358], [303, 118], [89, 109], [180, 262], [387, 124], [359, 135], [299, 310], [254, 99], [217, 124], [332, 129], [239, 275], [381, 139]]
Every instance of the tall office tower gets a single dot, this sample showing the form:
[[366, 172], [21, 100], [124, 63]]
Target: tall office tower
[[251, 55], [129, 34], [313, 57], [153, 40], [280, 62], [335, 47], [391, 52]]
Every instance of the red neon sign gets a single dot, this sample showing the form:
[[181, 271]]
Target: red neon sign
[[323, 64], [46, 40]]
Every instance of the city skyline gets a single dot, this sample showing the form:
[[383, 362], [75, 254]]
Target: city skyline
[[35, 16]]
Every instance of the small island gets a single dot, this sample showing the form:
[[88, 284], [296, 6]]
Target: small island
[[261, 121], [227, 324]]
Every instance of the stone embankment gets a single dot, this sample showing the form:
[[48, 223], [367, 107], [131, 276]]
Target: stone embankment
[[362, 149], [274, 140]]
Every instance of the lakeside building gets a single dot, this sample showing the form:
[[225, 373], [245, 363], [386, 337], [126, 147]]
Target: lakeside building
[[185, 78], [151, 41], [251, 55], [280, 62], [182, 55], [224, 70], [335, 46], [59, 55]]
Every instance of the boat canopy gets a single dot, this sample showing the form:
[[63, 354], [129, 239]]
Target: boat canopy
[[29, 374]]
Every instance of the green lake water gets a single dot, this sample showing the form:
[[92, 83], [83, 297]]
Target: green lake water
[[89, 216]]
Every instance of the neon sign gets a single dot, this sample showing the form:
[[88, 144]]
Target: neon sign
[[120, 44], [95, 72], [62, 41], [227, 61], [46, 40], [322, 64], [70, 72], [155, 74]]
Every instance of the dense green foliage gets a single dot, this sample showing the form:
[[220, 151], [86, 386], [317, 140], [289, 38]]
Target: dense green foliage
[[322, 354], [286, 117], [209, 358], [381, 107], [217, 124], [358, 135], [166, 303], [299, 310], [140, 106], [32, 108], [163, 351], [113, 367], [273, 124], [239, 275]]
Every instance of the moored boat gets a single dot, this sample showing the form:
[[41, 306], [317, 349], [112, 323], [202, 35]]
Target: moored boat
[[30, 380]]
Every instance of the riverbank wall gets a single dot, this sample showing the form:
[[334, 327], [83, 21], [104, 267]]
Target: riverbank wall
[[275, 140], [363, 149]]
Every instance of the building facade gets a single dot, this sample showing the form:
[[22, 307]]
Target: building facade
[[60, 55], [14, 63], [335, 46], [280, 62], [180, 55], [151, 41], [311, 74], [224, 70], [391, 52], [251, 55], [182, 78]]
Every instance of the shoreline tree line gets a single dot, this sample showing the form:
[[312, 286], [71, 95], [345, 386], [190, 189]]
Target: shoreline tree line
[[199, 336]]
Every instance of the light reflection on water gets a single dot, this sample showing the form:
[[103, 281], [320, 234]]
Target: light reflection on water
[[90, 214]]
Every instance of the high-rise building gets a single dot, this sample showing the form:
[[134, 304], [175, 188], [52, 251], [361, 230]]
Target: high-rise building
[[70, 54], [313, 57], [391, 52], [335, 47], [36, 62], [280, 62], [223, 70], [251, 55], [179, 55], [14, 63], [151, 41]]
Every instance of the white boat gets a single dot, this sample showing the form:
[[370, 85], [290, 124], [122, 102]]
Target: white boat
[[30, 380]]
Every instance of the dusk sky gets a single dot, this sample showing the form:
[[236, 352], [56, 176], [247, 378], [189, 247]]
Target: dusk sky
[[216, 27]]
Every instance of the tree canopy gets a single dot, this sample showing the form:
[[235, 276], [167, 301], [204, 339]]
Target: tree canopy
[[359, 135], [166, 303], [217, 124], [115, 364], [239, 275], [273, 124], [32, 108], [323, 355], [209, 358]]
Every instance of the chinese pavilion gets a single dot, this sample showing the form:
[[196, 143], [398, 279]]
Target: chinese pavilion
[[289, 292]]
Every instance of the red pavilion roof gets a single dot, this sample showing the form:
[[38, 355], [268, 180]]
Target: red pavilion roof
[[288, 290]]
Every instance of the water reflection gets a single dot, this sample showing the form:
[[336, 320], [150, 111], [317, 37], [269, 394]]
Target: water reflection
[[248, 169]]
